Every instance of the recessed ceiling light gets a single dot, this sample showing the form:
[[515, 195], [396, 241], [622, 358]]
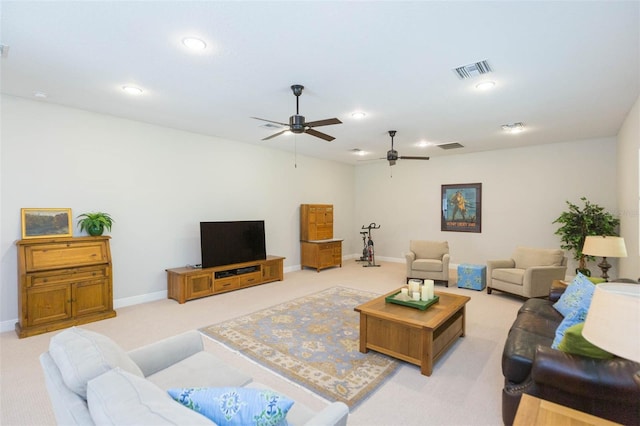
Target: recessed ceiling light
[[132, 90], [358, 114], [194, 43], [424, 144], [485, 85], [513, 128], [358, 151], [40, 95]]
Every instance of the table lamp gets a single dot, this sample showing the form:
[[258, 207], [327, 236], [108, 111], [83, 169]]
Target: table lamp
[[605, 246], [613, 320]]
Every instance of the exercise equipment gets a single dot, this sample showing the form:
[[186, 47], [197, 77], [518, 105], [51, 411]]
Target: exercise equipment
[[368, 253]]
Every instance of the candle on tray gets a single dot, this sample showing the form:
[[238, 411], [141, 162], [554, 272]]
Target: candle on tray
[[430, 291], [416, 296], [425, 293]]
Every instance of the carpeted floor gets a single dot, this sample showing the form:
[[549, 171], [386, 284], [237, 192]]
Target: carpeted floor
[[314, 342], [464, 389]]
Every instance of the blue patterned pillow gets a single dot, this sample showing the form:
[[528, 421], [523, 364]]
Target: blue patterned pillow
[[577, 295], [575, 317], [236, 406]]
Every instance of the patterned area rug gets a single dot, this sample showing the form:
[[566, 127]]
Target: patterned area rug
[[312, 341]]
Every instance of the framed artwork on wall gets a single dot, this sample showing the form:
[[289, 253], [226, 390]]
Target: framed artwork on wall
[[461, 207], [46, 223]]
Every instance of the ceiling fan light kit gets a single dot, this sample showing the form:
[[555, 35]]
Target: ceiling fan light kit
[[297, 123]]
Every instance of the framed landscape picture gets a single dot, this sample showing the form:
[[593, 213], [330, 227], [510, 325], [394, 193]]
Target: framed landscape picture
[[461, 207], [43, 223]]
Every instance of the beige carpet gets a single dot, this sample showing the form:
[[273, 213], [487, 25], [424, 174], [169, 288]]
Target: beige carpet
[[465, 388]]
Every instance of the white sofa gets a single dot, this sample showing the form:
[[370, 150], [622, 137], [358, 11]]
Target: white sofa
[[91, 380]]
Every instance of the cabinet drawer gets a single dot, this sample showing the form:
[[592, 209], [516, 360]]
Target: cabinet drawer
[[52, 256], [249, 279], [66, 276], [225, 284]]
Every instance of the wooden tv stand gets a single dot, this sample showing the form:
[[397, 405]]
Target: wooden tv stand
[[192, 283]]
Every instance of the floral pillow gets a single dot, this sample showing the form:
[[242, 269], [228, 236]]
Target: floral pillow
[[575, 317], [577, 295], [236, 406]]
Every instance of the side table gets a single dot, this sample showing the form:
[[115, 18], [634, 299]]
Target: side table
[[534, 411]]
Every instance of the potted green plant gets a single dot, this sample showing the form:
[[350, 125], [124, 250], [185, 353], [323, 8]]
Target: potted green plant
[[578, 223], [95, 223]]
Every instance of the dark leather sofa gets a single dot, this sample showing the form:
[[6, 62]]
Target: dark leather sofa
[[607, 388]]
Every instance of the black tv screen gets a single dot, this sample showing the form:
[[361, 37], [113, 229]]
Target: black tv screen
[[224, 243]]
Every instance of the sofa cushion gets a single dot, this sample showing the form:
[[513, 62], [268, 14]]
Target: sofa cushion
[[577, 295], [120, 398], [576, 316], [574, 343], [82, 355], [236, 406], [526, 257], [429, 249], [202, 369], [509, 275], [427, 265]]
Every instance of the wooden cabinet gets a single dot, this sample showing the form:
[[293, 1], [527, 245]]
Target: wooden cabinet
[[321, 254], [185, 284], [318, 248], [63, 282], [316, 222]]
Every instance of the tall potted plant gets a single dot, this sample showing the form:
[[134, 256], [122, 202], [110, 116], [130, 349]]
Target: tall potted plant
[[577, 223], [95, 223]]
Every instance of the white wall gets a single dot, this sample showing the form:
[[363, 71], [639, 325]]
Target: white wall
[[523, 191], [628, 191], [158, 184]]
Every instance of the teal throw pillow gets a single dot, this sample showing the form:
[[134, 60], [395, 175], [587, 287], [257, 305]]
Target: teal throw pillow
[[574, 342], [577, 295], [236, 406], [576, 316]]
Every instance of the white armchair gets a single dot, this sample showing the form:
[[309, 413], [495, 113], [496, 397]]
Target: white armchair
[[428, 260], [529, 273]]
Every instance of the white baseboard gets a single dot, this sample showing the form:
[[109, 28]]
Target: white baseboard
[[136, 300]]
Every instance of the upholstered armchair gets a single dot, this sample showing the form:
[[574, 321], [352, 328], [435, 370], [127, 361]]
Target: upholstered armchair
[[528, 273], [428, 260]]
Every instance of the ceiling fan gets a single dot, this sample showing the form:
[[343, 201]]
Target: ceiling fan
[[392, 154], [298, 125]]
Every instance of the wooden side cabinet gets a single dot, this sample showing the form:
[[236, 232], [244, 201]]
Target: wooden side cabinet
[[63, 282], [185, 284], [321, 254], [316, 222]]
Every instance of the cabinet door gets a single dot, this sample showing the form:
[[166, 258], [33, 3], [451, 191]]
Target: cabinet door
[[199, 285], [337, 253], [272, 270], [325, 255], [48, 304], [90, 297]]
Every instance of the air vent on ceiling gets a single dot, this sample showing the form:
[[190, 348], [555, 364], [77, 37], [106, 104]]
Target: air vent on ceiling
[[271, 126], [472, 70], [452, 145]]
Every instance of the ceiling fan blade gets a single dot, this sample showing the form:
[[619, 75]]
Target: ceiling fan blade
[[275, 134], [319, 135], [326, 122], [413, 158], [271, 121]]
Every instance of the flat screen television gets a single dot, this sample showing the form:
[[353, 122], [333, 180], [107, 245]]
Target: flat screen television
[[224, 243]]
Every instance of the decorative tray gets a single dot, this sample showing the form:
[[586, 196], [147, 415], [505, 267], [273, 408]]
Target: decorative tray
[[419, 304]]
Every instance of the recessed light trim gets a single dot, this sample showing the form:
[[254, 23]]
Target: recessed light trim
[[513, 127], [40, 95], [486, 85], [358, 115], [194, 43], [132, 90], [424, 144]]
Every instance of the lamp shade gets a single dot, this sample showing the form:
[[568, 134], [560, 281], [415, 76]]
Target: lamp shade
[[613, 320], [605, 246]]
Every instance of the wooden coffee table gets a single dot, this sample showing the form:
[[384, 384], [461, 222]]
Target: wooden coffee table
[[409, 334]]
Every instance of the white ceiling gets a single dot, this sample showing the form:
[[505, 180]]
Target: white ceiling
[[568, 70]]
